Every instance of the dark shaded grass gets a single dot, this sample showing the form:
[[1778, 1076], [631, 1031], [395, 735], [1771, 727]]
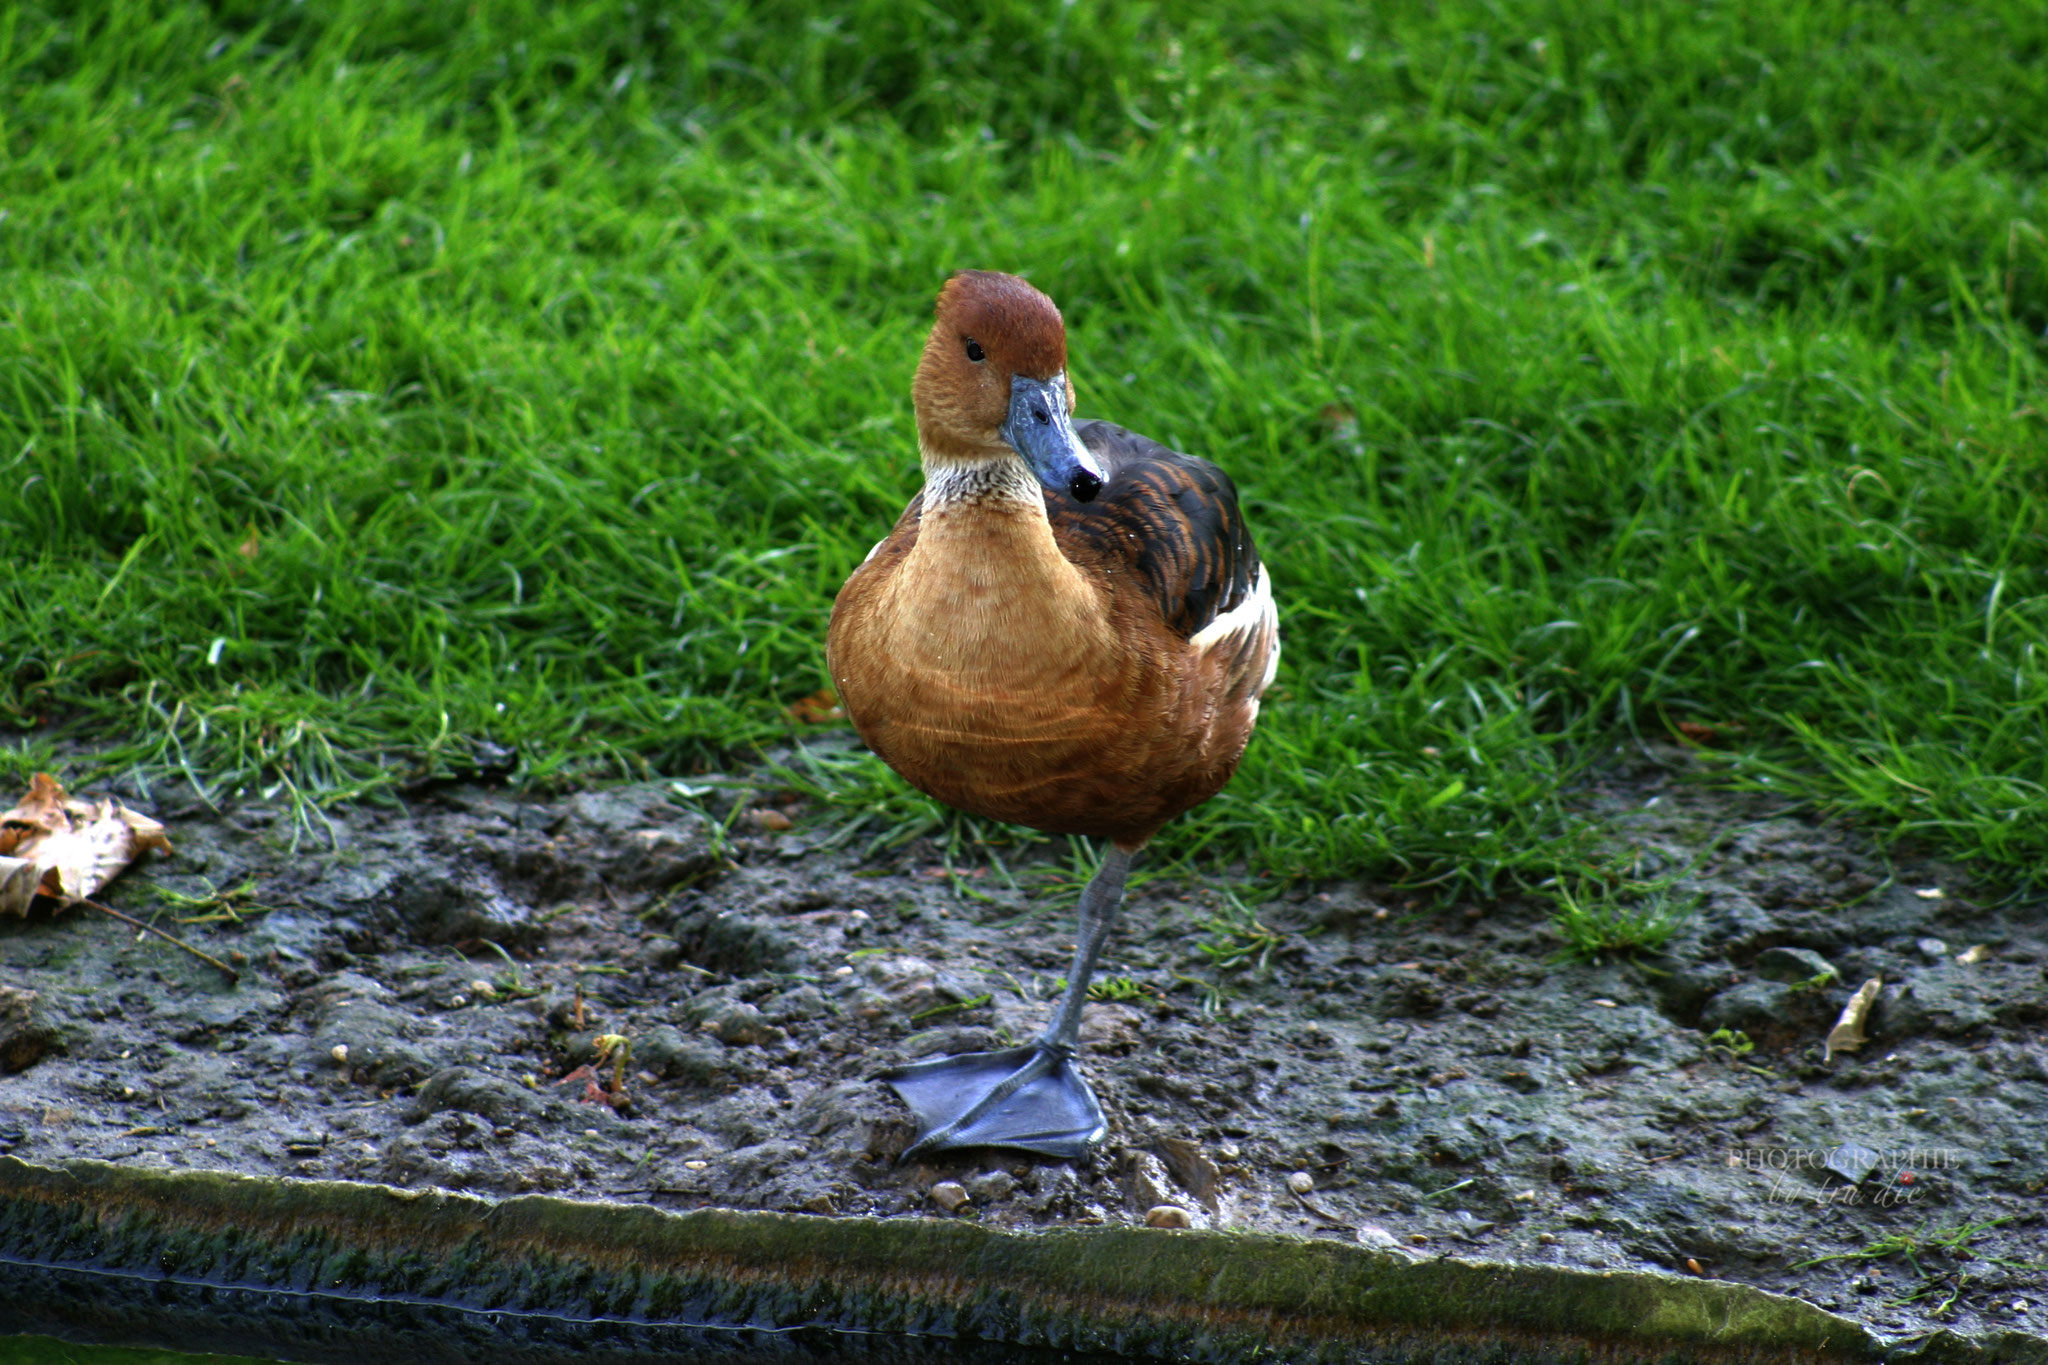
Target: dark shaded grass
[[383, 384]]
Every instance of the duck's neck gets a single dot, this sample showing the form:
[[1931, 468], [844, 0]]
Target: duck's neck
[[1000, 483], [986, 562]]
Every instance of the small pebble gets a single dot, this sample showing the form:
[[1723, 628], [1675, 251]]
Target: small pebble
[[990, 1187], [1973, 954], [950, 1195], [1301, 1182], [1933, 949], [340, 1054], [1546, 1239], [774, 821], [1167, 1216], [483, 990], [1418, 1237], [696, 1165]]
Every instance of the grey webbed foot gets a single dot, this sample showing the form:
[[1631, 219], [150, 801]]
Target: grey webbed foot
[[1029, 1097]]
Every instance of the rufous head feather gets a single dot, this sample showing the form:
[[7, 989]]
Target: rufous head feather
[[991, 329]]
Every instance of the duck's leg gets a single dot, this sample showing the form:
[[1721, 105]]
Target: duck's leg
[[1031, 1097]]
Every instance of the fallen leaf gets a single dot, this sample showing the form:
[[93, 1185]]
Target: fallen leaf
[[1339, 423], [19, 878], [1709, 733], [52, 845], [251, 547], [1973, 954], [1847, 1034], [820, 708]]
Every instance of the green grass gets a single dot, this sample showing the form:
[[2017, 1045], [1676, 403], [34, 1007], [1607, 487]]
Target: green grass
[[384, 387], [1934, 1279], [1599, 920]]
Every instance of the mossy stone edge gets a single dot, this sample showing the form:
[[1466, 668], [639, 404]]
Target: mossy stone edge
[[1134, 1292]]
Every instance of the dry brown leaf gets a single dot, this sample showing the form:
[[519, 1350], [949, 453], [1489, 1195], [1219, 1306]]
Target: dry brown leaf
[[51, 845], [1847, 1034], [19, 878], [820, 708]]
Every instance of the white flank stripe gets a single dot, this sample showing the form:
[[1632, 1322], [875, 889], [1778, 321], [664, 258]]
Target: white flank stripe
[[1249, 617]]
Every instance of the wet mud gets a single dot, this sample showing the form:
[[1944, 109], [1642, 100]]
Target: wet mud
[[427, 989]]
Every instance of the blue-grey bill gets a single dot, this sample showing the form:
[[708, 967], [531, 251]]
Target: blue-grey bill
[[1041, 429]]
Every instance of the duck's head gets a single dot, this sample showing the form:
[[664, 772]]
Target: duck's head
[[992, 384]]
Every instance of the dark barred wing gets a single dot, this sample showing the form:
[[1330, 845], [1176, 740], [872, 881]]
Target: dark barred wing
[[1172, 518]]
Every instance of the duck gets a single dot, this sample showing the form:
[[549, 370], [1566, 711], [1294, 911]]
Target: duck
[[1068, 628]]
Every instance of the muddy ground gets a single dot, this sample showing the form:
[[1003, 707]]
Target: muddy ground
[[407, 1013]]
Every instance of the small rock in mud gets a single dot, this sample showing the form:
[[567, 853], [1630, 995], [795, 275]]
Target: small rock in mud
[[655, 859], [898, 984], [734, 1022], [1148, 1183], [1754, 1007], [25, 1035], [450, 907], [857, 1116], [740, 944], [1167, 1216], [991, 1187], [496, 1098], [352, 1011], [950, 1195], [1193, 1171], [673, 1055], [1794, 966], [1378, 1238], [796, 1005]]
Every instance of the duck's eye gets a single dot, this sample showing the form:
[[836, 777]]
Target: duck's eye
[[974, 351]]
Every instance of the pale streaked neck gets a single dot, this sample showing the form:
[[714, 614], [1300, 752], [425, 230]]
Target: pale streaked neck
[[1002, 480]]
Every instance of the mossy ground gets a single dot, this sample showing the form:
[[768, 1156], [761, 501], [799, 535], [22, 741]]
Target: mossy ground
[[416, 1002]]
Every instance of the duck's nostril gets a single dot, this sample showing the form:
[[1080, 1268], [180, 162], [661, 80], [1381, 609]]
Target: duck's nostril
[[1042, 415]]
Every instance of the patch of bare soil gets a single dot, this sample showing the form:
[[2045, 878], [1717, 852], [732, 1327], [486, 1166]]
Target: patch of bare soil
[[1360, 1065]]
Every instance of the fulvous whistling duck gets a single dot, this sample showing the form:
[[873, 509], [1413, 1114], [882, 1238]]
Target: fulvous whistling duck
[[1068, 628]]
